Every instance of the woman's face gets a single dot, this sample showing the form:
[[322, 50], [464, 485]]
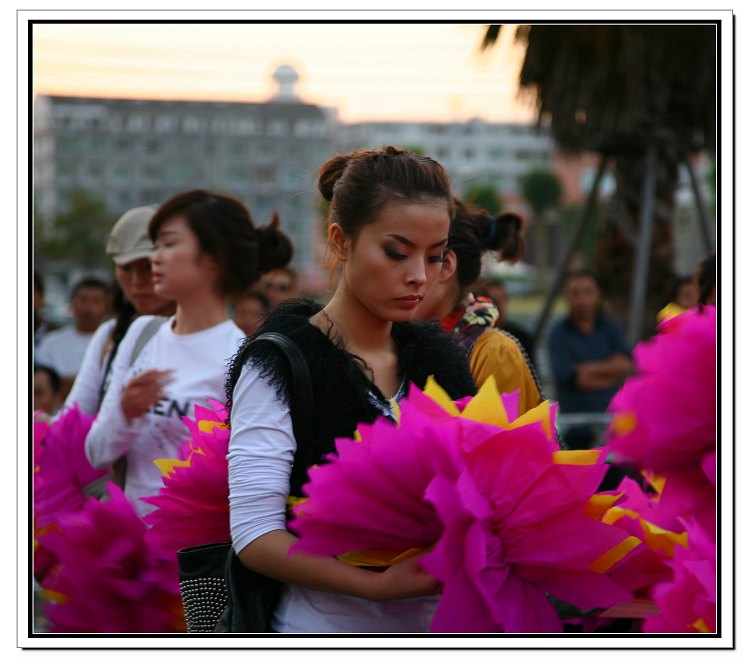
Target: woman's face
[[135, 280], [179, 267], [394, 260]]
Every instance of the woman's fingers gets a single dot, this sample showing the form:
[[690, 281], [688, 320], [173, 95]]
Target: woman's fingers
[[144, 390]]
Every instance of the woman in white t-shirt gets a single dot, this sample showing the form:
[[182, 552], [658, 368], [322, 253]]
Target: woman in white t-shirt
[[206, 249], [130, 248]]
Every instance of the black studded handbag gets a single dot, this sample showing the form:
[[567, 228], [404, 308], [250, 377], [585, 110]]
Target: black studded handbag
[[219, 594]]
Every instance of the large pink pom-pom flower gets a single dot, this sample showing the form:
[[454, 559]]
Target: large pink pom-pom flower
[[63, 469], [60, 475], [109, 578], [688, 602], [41, 427], [505, 508], [193, 505], [665, 416], [640, 514]]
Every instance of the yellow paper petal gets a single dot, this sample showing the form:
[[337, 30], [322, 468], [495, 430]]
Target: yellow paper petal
[[209, 425], [396, 410], [701, 627], [661, 540], [669, 311], [614, 514], [612, 556], [166, 466], [440, 397], [487, 406], [623, 423], [56, 596], [656, 481], [292, 501], [376, 557], [578, 457], [539, 413], [599, 504]]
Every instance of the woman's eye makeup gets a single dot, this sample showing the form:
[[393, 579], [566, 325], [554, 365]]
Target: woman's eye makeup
[[437, 258], [392, 253]]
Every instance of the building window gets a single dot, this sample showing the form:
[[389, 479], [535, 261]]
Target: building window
[[277, 128], [237, 173], [180, 173], [97, 144], [219, 125], [123, 170], [165, 123], [192, 124], [265, 174], [152, 146], [237, 149], [65, 145], [137, 123], [151, 172], [246, 126]]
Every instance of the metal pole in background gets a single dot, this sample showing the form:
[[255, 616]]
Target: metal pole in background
[[638, 295], [575, 240], [700, 205]]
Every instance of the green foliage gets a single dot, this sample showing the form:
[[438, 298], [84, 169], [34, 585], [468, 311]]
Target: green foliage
[[484, 195], [79, 234], [419, 150], [586, 250], [541, 188]]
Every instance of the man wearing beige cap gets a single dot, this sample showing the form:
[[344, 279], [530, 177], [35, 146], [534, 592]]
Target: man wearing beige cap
[[130, 248]]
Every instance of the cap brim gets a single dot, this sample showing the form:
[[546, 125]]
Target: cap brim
[[135, 254]]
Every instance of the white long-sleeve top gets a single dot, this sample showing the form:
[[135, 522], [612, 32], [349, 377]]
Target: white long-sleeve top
[[261, 454], [88, 382], [199, 362]]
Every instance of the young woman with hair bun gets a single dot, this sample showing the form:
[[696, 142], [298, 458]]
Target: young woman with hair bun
[[472, 320], [389, 218], [206, 249]]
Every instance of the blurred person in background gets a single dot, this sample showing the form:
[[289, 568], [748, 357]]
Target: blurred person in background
[[249, 309], [494, 288], [207, 250], [280, 285], [41, 326], [589, 354], [473, 321], [47, 391], [682, 296], [63, 349], [130, 248], [705, 276]]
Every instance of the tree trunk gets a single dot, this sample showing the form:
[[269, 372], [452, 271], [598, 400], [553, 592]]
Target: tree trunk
[[616, 254]]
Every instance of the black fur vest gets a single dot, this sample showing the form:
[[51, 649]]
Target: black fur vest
[[340, 387]]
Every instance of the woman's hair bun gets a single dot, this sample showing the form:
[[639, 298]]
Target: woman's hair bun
[[275, 249], [330, 172], [505, 235]]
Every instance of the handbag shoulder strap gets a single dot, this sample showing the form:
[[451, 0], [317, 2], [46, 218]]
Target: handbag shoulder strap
[[146, 335], [301, 403]]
